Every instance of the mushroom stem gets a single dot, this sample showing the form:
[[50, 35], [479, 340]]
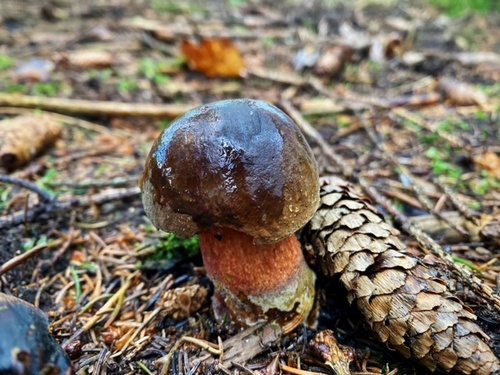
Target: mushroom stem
[[258, 282]]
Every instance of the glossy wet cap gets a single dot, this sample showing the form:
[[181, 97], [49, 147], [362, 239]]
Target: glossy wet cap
[[241, 164]]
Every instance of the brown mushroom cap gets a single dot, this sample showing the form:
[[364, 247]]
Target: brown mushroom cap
[[241, 164]]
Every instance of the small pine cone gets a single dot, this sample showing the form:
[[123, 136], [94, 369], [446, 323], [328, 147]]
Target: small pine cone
[[182, 302], [404, 302]]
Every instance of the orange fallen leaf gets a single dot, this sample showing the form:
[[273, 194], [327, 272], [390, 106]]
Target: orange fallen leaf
[[214, 57], [489, 161]]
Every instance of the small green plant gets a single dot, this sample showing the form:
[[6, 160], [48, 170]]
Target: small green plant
[[45, 181], [32, 242], [269, 41], [103, 169], [16, 89], [45, 88], [127, 85], [6, 62], [440, 166], [451, 126], [173, 247], [100, 74], [176, 7], [458, 8], [485, 184], [152, 71]]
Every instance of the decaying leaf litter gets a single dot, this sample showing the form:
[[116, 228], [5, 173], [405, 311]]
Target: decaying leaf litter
[[406, 112]]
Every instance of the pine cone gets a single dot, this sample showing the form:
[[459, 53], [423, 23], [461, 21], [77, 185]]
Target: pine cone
[[404, 302]]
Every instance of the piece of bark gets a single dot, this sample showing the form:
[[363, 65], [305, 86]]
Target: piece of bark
[[404, 302], [250, 343], [23, 137], [325, 346], [245, 345]]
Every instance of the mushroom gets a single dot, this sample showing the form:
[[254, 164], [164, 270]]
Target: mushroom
[[241, 175]]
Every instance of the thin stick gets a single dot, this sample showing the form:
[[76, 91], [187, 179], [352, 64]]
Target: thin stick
[[460, 206], [17, 260], [88, 107], [99, 198], [45, 196]]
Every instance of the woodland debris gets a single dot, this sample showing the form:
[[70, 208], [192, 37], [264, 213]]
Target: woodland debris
[[87, 59], [460, 93], [34, 70], [331, 61], [237, 350], [325, 346], [23, 137], [249, 343], [182, 302]]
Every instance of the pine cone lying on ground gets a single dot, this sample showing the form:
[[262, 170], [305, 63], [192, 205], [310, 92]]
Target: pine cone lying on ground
[[404, 303]]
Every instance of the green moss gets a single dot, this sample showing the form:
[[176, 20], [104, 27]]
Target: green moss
[[173, 247], [460, 7]]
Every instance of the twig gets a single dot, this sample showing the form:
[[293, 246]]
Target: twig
[[94, 108], [415, 186], [425, 240], [45, 196], [150, 317], [118, 181], [469, 214], [296, 371], [17, 260], [99, 198], [211, 348]]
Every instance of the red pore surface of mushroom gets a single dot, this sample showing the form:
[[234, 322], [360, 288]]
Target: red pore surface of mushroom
[[239, 173]]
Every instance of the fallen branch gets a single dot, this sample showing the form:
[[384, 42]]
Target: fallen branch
[[100, 108]]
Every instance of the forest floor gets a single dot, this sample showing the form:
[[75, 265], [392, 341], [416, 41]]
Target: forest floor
[[406, 97]]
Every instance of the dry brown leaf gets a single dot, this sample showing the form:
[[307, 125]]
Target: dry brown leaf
[[22, 137], [490, 162], [214, 57], [331, 61], [460, 93], [89, 59], [401, 299]]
